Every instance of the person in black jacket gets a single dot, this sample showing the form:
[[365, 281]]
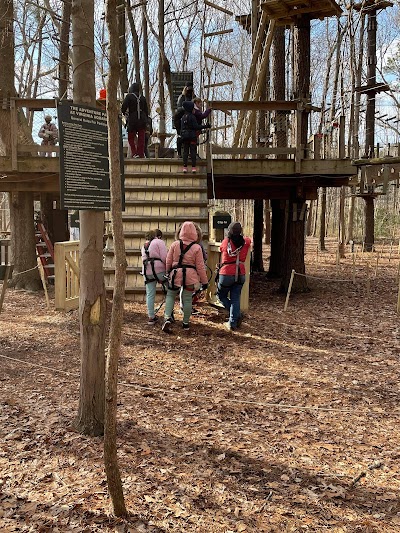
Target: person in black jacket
[[136, 106], [186, 96], [189, 127]]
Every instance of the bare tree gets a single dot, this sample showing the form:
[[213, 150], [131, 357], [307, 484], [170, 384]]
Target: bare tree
[[92, 302], [117, 315]]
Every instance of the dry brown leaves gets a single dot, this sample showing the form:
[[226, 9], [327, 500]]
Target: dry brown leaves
[[200, 451]]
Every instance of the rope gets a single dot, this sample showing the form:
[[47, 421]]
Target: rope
[[323, 279], [25, 271], [212, 170], [207, 397]]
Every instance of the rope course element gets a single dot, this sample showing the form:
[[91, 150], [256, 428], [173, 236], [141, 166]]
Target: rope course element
[[269, 405], [25, 271], [294, 273]]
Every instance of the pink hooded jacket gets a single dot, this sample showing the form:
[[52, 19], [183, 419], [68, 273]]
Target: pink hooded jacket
[[194, 256], [157, 248]]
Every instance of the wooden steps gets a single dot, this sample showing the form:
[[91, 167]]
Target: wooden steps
[[157, 195]]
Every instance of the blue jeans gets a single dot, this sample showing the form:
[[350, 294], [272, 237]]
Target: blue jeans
[[227, 285], [151, 293]]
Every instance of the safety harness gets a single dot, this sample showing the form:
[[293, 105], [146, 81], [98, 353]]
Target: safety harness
[[172, 273], [232, 253], [149, 261]]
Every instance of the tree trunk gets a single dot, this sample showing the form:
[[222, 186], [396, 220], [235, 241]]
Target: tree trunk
[[23, 242], [294, 244], [369, 237], [117, 315], [64, 80], [302, 65], [92, 301], [342, 225], [146, 71], [322, 220], [310, 219], [161, 92], [350, 221], [279, 88], [258, 265], [278, 231], [135, 43], [267, 222], [371, 80], [7, 70], [294, 247], [123, 57]]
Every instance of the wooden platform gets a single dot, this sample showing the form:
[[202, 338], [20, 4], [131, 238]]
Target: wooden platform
[[33, 173], [286, 11]]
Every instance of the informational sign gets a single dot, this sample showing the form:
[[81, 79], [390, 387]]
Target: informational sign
[[221, 220], [84, 160]]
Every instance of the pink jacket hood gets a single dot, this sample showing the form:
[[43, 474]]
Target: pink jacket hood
[[188, 232]]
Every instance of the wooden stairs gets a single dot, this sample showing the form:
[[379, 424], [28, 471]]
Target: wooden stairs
[[157, 195]]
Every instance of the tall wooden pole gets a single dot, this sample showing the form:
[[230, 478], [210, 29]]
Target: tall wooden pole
[[370, 125]]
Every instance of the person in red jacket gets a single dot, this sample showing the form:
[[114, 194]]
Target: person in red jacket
[[232, 274]]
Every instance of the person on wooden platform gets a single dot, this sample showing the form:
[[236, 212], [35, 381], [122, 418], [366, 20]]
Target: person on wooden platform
[[135, 105], [189, 129], [232, 274], [49, 134], [186, 96], [185, 267], [154, 254]]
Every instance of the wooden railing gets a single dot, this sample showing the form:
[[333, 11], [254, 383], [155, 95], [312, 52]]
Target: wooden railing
[[319, 147], [66, 270]]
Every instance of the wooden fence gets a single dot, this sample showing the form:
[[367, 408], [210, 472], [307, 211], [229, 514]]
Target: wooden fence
[[66, 270]]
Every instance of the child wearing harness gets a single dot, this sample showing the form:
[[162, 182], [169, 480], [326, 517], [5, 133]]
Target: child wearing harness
[[154, 254], [231, 273], [185, 267]]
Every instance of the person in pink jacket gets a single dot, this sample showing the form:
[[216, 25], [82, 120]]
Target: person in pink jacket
[[154, 254], [185, 267]]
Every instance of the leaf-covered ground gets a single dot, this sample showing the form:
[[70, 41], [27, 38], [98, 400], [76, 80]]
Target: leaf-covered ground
[[289, 424]]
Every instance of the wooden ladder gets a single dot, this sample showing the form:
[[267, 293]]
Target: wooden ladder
[[44, 249]]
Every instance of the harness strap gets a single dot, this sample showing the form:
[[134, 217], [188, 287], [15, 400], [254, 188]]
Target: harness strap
[[180, 265], [147, 261]]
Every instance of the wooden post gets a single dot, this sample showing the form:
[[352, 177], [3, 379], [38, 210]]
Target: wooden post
[[298, 155], [377, 262], [14, 134], [354, 268], [368, 281], [41, 272], [289, 290], [317, 146], [342, 145], [390, 250], [244, 296]]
